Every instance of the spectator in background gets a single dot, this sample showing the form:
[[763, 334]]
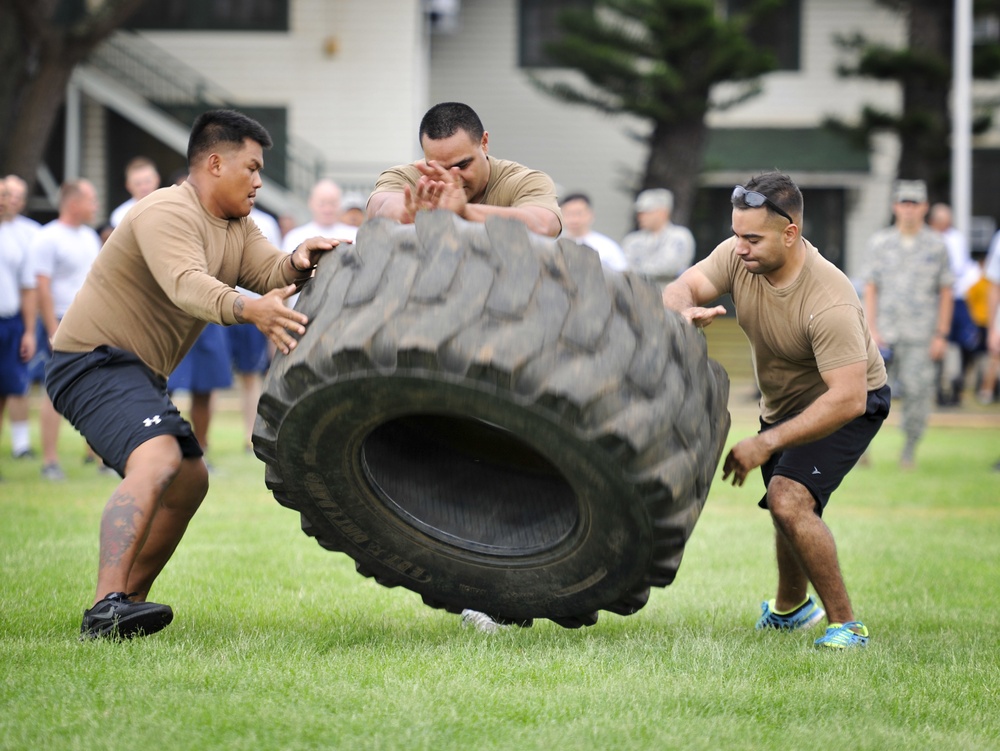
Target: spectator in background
[[908, 301], [988, 388], [248, 347], [20, 230], [141, 179], [325, 208], [578, 220], [659, 249], [62, 252], [17, 309], [963, 339], [353, 208]]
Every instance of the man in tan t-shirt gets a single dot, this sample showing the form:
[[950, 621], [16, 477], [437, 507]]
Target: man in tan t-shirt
[[457, 173], [823, 391], [168, 269]]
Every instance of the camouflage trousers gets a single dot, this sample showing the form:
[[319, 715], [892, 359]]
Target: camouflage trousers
[[912, 375]]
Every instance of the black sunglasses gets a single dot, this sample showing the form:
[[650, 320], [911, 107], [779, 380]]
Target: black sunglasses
[[756, 200]]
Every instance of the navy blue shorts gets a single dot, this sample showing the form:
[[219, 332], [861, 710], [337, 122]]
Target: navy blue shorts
[[248, 348], [13, 370], [206, 367], [821, 465], [36, 365], [116, 402]]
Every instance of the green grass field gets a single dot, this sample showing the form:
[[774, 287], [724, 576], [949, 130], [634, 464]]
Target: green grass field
[[277, 644]]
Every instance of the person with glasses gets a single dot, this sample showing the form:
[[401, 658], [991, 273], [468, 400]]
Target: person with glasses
[[824, 392]]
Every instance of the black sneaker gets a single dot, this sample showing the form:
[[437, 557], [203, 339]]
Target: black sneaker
[[117, 617]]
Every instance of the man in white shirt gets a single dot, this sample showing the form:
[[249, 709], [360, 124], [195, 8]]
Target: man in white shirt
[[21, 230], [660, 250], [141, 179], [578, 220], [17, 310], [62, 253], [325, 207]]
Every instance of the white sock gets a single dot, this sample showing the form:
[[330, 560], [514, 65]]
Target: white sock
[[19, 437]]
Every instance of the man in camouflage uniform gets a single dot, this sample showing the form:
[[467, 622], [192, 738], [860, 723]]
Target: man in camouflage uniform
[[908, 302], [659, 250]]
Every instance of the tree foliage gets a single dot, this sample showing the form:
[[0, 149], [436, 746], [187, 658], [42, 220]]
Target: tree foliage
[[923, 69], [41, 41], [659, 61]]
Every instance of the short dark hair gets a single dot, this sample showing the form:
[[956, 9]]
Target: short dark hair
[[780, 190], [223, 126], [575, 197], [445, 119]]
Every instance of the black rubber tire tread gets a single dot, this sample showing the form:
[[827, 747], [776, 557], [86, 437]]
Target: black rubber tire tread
[[539, 363]]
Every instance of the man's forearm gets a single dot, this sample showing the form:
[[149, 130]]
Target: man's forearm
[[538, 220], [821, 418], [29, 308], [677, 296]]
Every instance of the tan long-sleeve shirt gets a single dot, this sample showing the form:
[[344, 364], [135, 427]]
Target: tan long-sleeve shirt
[[165, 272]]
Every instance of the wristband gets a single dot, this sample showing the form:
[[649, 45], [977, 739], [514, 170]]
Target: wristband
[[296, 269]]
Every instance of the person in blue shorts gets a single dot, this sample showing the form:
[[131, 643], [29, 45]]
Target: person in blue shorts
[[204, 370]]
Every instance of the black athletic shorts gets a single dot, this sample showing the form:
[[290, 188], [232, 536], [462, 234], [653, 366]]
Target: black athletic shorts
[[116, 402], [823, 464]]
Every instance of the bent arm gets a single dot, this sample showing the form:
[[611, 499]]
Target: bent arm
[[539, 220], [688, 293], [390, 205], [871, 312], [845, 399], [46, 305]]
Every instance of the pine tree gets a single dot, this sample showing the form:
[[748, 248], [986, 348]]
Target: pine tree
[[659, 60], [923, 70]]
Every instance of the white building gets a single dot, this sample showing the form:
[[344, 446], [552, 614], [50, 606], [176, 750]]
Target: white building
[[342, 85]]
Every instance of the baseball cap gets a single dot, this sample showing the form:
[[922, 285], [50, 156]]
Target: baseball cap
[[353, 201], [653, 199], [910, 190]]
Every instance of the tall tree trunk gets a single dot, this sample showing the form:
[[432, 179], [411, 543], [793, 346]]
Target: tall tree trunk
[[39, 48], [29, 134], [675, 162]]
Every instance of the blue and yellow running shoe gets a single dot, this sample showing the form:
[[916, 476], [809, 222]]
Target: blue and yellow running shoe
[[807, 615], [843, 636]]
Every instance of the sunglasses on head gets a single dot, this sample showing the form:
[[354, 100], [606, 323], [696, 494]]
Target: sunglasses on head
[[756, 200]]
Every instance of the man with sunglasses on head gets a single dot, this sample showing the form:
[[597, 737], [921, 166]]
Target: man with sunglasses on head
[[824, 393]]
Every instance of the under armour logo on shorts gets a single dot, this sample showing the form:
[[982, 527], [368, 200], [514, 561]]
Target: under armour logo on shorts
[[151, 421]]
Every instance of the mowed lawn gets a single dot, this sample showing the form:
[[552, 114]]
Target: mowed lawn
[[278, 644]]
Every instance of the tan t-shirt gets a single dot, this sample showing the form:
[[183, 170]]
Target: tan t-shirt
[[815, 324], [165, 272], [510, 185]]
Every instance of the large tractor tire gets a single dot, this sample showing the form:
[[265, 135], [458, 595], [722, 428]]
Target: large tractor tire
[[488, 418]]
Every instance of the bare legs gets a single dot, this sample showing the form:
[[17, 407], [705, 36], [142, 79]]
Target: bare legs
[[806, 551], [250, 388], [49, 421], [147, 516]]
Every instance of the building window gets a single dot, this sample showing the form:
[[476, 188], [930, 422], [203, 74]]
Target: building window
[[779, 31], [212, 15], [538, 22]]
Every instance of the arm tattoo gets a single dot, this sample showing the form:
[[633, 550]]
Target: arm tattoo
[[238, 309]]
